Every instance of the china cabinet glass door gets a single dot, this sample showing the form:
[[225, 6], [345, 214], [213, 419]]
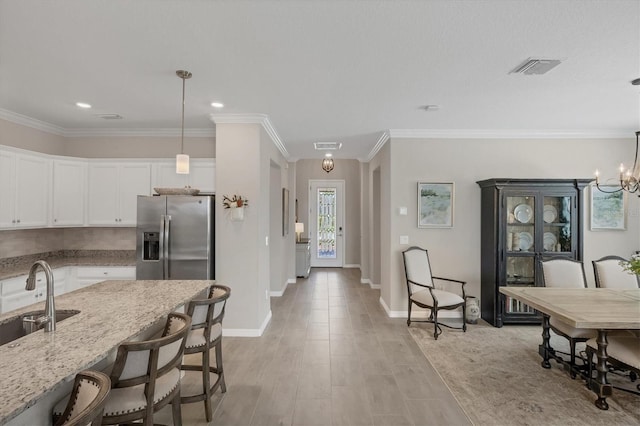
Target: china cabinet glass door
[[521, 250]]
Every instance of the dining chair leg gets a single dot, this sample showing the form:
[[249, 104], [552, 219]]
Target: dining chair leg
[[435, 324], [409, 314]]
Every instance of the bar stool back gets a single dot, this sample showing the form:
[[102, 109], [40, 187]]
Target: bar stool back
[[206, 333]]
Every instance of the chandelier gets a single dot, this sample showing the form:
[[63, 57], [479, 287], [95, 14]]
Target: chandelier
[[327, 163], [629, 179], [182, 160]]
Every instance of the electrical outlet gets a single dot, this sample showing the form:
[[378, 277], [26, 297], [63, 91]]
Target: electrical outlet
[[266, 241], [404, 239], [266, 295]]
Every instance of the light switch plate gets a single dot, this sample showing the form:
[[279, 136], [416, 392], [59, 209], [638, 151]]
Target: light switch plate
[[404, 239], [403, 211]]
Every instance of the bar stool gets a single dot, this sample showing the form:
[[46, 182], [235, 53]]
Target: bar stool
[[146, 376], [86, 403], [206, 333]]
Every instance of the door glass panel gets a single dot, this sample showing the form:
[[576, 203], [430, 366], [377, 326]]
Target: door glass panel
[[520, 236], [326, 223], [557, 224]]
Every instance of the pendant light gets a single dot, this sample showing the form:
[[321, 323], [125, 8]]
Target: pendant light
[[327, 163], [182, 160]]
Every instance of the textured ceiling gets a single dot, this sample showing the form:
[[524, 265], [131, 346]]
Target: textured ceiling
[[340, 71]]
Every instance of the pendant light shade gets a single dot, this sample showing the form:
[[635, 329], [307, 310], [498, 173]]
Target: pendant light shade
[[182, 164], [182, 160]]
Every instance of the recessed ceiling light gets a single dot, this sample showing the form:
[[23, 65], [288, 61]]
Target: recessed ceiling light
[[217, 104], [431, 107], [83, 105]]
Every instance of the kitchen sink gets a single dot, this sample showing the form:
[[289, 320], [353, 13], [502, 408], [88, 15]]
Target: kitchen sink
[[14, 328]]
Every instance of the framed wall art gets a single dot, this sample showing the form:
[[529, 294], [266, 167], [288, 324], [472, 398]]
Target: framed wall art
[[435, 205], [608, 208]]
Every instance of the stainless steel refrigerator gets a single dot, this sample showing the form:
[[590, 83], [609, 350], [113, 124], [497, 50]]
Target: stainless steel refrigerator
[[175, 237]]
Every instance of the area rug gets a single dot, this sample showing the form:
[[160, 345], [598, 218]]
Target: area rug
[[495, 375]]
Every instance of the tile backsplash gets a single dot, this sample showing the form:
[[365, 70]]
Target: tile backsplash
[[31, 241]]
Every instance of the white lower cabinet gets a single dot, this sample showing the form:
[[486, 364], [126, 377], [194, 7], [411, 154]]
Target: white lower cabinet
[[13, 294], [89, 275]]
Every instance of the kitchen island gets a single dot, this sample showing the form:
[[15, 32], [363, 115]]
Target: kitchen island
[[111, 312]]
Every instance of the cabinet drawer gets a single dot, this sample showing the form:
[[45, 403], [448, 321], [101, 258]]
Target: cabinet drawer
[[107, 272]]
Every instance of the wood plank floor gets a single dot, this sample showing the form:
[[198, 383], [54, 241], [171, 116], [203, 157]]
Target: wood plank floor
[[330, 356]]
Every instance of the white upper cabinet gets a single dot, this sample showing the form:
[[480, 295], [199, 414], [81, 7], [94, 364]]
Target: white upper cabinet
[[202, 175], [69, 192], [25, 182], [113, 191]]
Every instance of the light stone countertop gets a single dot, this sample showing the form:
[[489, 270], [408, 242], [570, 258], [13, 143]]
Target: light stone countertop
[[111, 312]]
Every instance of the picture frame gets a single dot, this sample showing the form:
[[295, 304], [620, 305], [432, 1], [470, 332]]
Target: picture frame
[[285, 212], [608, 209], [435, 204]]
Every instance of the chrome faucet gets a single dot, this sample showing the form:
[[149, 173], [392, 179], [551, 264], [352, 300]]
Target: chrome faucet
[[49, 318]]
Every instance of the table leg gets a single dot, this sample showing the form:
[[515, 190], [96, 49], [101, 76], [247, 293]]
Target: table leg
[[599, 385], [545, 348]]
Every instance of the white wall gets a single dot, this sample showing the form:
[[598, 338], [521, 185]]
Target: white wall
[[455, 252]]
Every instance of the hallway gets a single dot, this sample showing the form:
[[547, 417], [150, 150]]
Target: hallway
[[330, 356]]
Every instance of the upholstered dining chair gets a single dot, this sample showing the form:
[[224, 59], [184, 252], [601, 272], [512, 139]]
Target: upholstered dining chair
[[146, 375], [423, 292], [610, 274], [86, 403], [206, 333], [566, 273]]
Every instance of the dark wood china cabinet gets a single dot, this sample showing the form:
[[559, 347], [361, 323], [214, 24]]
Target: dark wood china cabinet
[[524, 221]]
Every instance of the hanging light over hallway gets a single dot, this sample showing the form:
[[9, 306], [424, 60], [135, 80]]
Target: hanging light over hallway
[[182, 160]]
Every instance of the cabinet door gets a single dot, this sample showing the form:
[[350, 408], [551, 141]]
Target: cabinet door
[[134, 180], [33, 183], [521, 217], [7, 189], [103, 194], [20, 300], [165, 176], [69, 179], [202, 175]]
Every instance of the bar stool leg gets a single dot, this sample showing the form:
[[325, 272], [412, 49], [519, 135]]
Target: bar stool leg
[[206, 385], [219, 369]]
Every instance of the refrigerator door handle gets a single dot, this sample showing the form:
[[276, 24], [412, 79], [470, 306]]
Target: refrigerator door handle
[[167, 239], [163, 245]]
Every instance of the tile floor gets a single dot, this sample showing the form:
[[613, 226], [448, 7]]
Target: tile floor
[[330, 356]]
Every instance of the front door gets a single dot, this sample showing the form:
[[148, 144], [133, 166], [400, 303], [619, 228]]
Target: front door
[[326, 219]]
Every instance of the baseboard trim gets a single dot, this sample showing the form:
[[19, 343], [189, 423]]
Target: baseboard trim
[[421, 314], [351, 265], [368, 281], [247, 332], [279, 293], [291, 281]]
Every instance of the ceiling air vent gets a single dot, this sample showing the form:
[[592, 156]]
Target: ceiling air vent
[[535, 66], [110, 116], [327, 145]]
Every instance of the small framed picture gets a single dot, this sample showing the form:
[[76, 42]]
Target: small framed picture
[[608, 208], [435, 205]]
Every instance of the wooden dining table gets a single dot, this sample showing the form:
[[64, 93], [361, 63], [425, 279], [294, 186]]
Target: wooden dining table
[[601, 309]]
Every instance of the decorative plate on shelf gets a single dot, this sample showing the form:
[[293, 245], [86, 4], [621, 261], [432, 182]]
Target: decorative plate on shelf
[[177, 191], [526, 240], [549, 213], [549, 241], [523, 213]]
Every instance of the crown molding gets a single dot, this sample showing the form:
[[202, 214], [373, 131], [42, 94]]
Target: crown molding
[[506, 134], [384, 137], [159, 133], [23, 120], [261, 119]]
